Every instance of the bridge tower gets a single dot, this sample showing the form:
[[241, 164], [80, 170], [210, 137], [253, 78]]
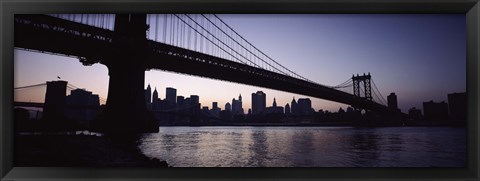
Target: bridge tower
[[125, 110], [367, 86], [366, 80]]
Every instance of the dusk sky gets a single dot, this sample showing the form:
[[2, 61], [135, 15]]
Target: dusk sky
[[419, 57]]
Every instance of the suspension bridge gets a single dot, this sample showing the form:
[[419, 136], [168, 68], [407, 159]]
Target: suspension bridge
[[199, 45]]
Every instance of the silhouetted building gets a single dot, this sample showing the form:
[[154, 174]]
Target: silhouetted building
[[215, 109], [392, 101], [83, 106], [294, 107], [415, 114], [304, 106], [54, 106], [171, 96], [148, 95], [435, 111], [237, 107], [287, 109], [155, 94], [194, 104], [258, 102], [180, 104], [228, 107], [226, 115], [274, 109], [155, 101], [205, 109], [457, 103]]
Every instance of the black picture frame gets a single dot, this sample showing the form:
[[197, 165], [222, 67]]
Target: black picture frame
[[10, 7]]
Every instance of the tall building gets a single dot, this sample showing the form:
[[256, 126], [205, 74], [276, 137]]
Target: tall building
[[171, 96], [304, 106], [195, 104], [54, 106], [215, 109], [287, 109], [228, 107], [457, 104], [237, 105], [180, 103], [435, 111], [240, 104], [155, 94], [155, 105], [258, 102], [148, 95], [392, 101], [294, 109]]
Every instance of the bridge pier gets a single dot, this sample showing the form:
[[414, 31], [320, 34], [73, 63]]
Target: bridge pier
[[126, 110]]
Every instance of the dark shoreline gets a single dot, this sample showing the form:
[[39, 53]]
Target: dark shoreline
[[79, 151]]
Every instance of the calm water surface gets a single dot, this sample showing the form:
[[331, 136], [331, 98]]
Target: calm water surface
[[307, 146]]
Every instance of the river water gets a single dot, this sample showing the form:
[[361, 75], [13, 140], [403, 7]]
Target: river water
[[307, 146]]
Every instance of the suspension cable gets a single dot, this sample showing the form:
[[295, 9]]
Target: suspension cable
[[29, 86]]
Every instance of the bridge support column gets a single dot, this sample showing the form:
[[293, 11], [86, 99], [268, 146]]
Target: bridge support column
[[126, 110]]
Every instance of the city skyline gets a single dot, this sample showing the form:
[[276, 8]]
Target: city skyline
[[425, 39]]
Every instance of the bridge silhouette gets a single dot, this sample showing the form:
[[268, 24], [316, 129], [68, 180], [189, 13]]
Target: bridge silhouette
[[200, 45]]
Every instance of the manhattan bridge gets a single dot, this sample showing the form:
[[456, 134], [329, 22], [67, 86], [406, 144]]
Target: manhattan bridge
[[199, 45]]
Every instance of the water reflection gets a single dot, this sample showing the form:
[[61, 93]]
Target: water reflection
[[306, 147], [258, 149]]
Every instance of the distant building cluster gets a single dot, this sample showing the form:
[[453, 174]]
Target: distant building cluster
[[83, 106], [172, 103], [454, 109]]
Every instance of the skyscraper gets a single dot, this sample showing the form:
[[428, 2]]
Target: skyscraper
[[195, 101], [258, 102], [215, 109], [155, 94], [392, 101], [171, 96], [180, 103], [148, 95], [294, 108], [237, 105], [240, 104], [304, 106], [155, 105]]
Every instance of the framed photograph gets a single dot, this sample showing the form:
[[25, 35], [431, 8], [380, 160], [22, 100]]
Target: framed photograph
[[240, 90]]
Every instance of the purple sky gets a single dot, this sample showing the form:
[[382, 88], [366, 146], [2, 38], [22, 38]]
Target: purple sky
[[419, 57]]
